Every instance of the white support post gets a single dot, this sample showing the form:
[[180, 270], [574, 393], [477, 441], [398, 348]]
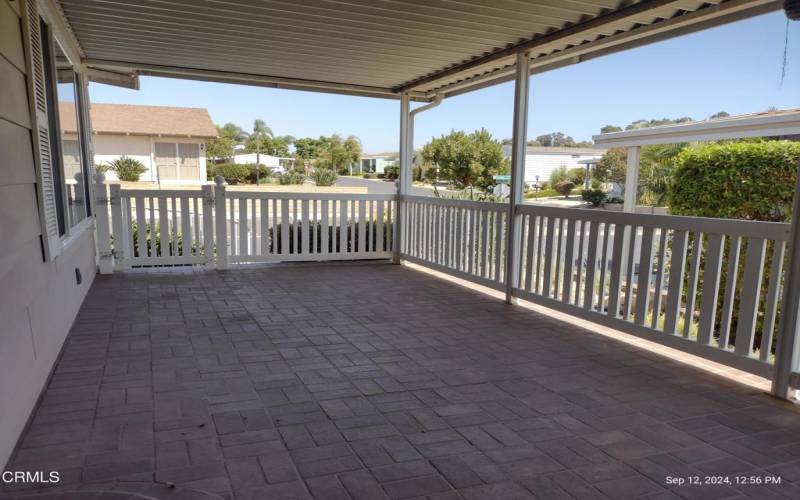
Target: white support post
[[787, 350], [221, 238], [519, 139], [632, 179], [405, 177], [208, 223], [105, 258], [120, 226]]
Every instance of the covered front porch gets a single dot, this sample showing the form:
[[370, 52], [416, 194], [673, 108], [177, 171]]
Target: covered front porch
[[372, 381]]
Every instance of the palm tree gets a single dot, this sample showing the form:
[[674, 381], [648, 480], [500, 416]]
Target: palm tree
[[260, 131]]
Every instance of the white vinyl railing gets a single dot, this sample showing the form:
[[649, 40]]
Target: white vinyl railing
[[281, 227], [708, 286], [711, 287], [161, 227], [464, 238], [217, 226]]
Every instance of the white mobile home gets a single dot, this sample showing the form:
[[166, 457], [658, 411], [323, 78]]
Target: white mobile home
[[169, 141], [540, 161]]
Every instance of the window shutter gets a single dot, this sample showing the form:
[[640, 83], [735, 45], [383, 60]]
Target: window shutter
[[41, 133]]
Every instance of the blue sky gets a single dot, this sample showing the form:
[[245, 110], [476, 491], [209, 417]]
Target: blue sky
[[735, 68]]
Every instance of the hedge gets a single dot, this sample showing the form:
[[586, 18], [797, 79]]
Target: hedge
[[735, 180]]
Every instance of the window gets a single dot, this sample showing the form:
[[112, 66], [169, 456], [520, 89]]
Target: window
[[70, 178]]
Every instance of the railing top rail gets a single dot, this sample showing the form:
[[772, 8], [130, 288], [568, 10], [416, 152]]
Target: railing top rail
[[161, 193], [282, 195], [451, 202], [754, 229]]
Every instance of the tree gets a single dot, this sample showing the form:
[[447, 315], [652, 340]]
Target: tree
[[556, 139], [338, 154], [611, 167], [234, 132], [720, 114], [534, 143], [221, 147], [610, 128], [584, 144], [466, 160], [308, 148]]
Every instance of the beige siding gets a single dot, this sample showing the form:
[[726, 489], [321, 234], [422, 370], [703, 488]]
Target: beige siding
[[38, 300]]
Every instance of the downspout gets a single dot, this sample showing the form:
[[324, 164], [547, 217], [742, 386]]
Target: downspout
[[406, 164], [437, 100]]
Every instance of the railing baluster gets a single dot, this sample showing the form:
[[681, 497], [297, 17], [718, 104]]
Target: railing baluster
[[591, 266], [362, 233], [498, 245], [630, 267], [751, 292], [577, 286], [569, 260], [773, 296], [659, 286], [691, 288], [186, 227], [616, 271], [645, 272], [711, 274]]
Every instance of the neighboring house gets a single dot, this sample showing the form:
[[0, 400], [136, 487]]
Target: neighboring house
[[275, 163], [376, 163], [540, 161], [169, 141]]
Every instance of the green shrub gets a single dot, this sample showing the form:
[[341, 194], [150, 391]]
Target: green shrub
[[577, 175], [370, 175], [391, 172], [323, 177], [596, 197], [233, 173], [558, 175], [127, 169], [291, 177], [564, 188], [736, 180]]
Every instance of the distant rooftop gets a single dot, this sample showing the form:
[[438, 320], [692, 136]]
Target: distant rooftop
[[778, 123], [531, 150], [129, 119]]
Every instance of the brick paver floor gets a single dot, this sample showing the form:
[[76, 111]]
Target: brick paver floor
[[373, 381]]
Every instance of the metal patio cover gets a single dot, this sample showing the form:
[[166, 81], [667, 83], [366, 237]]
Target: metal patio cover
[[375, 47]]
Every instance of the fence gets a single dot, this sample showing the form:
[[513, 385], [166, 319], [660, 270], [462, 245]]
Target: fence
[[216, 225], [464, 238], [711, 287]]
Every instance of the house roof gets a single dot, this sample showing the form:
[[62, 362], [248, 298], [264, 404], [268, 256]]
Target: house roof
[[378, 48], [532, 150], [782, 122], [129, 119], [391, 156]]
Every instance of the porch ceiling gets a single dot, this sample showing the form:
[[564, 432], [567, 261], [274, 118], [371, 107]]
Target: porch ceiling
[[375, 47]]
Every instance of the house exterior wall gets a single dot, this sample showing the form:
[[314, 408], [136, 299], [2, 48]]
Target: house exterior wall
[[543, 164], [250, 158], [109, 147], [38, 300]]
